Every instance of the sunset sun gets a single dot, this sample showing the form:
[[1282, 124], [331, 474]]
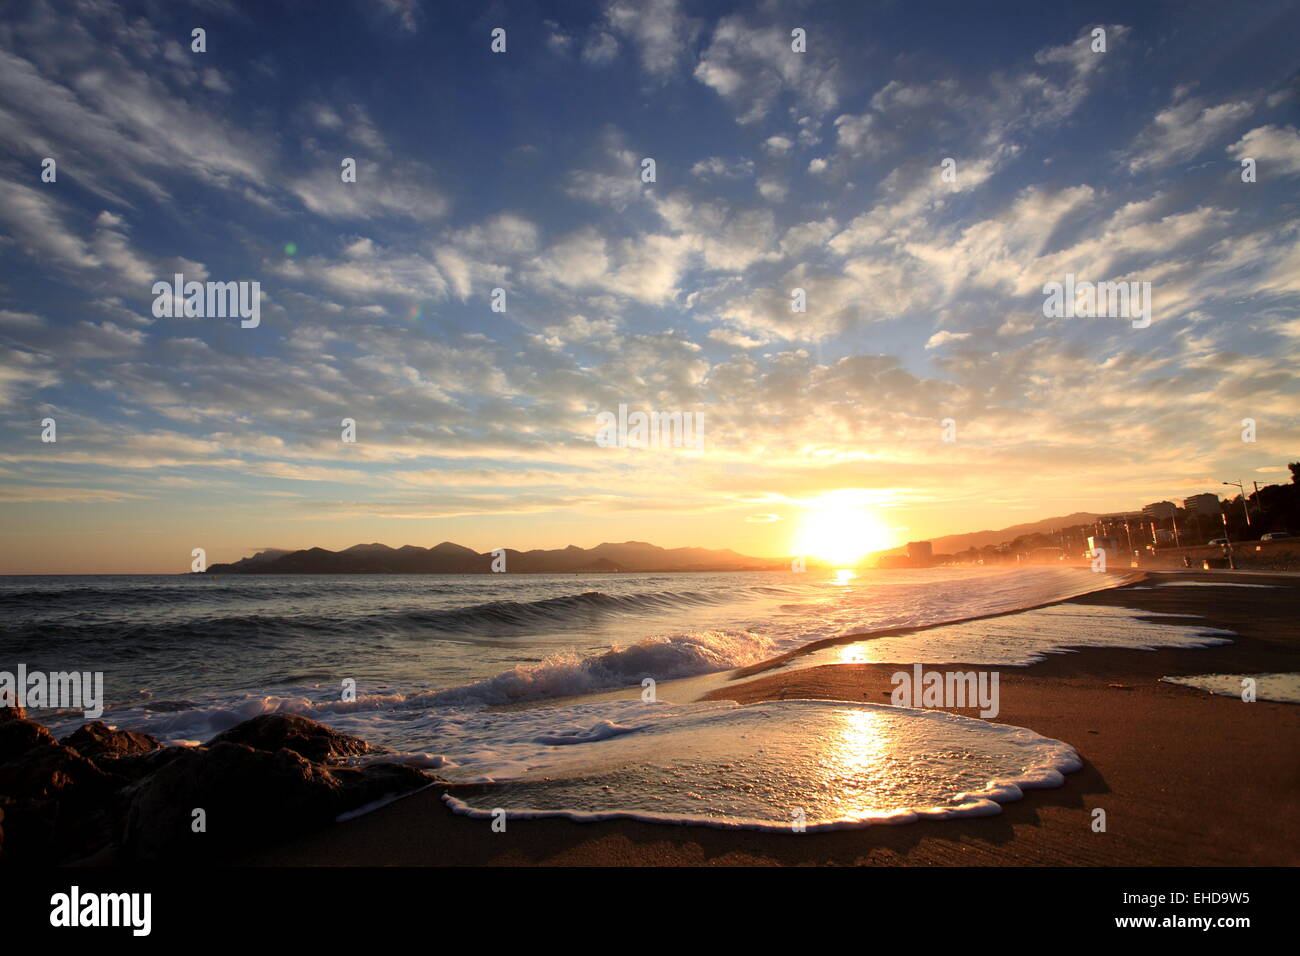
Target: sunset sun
[[840, 528]]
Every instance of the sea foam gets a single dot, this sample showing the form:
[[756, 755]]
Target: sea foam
[[781, 765], [1283, 688]]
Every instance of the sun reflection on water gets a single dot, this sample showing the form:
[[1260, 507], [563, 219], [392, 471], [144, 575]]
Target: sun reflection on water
[[856, 758]]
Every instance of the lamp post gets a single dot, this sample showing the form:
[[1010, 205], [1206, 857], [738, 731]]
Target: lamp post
[[1244, 506]]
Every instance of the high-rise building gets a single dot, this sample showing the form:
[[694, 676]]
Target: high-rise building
[[1159, 510], [1206, 504]]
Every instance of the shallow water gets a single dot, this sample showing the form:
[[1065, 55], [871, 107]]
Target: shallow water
[[434, 658], [780, 766]]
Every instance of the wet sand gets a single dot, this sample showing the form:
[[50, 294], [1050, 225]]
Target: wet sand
[[1186, 778]]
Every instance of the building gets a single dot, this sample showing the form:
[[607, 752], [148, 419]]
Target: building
[[1206, 504], [920, 553], [1160, 511]]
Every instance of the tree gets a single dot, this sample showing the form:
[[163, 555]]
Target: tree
[[1295, 472]]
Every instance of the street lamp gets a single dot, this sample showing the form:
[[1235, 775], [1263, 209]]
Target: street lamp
[[1244, 506]]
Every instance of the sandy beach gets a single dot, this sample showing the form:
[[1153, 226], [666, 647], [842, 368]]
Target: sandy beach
[[1186, 778]]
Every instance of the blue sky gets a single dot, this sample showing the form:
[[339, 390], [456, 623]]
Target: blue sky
[[521, 171]]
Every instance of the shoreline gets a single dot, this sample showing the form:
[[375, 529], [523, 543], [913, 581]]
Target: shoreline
[[1186, 778]]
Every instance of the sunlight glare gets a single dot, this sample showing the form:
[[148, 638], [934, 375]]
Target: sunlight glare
[[841, 528]]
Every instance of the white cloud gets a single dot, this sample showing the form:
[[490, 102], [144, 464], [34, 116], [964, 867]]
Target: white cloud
[[715, 167], [1275, 150], [658, 28], [778, 145], [1182, 131], [600, 48], [943, 337], [752, 67]]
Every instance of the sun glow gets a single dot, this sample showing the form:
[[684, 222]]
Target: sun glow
[[840, 528]]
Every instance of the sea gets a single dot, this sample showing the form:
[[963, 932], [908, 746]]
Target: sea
[[575, 695]]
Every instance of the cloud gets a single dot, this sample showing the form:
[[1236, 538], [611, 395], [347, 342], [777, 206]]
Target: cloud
[[657, 28], [599, 49], [402, 191], [1276, 149], [943, 337], [778, 145], [715, 167], [22, 371], [751, 68], [405, 11], [1181, 131]]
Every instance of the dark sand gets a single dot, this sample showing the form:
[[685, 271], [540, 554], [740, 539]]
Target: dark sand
[[1186, 778]]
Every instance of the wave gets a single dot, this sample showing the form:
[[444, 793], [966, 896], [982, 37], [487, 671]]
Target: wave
[[493, 618], [570, 675]]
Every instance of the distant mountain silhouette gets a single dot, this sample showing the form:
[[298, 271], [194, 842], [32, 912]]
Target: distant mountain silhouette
[[450, 558]]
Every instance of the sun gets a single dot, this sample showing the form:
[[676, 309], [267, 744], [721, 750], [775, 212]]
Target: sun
[[841, 528]]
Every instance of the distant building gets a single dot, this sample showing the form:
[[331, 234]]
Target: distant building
[[1206, 504], [1160, 510], [919, 554]]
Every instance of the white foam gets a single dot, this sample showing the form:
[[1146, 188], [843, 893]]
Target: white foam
[[1018, 640], [569, 675], [1283, 688], [724, 765]]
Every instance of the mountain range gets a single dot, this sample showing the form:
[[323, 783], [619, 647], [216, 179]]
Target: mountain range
[[953, 543], [449, 558]]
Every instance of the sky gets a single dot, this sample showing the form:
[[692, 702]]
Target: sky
[[920, 171]]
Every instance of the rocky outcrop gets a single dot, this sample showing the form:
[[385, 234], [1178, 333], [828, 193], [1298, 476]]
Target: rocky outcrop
[[304, 737], [19, 736], [102, 795], [98, 741]]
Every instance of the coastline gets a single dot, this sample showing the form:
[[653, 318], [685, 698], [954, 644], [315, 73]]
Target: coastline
[[1186, 778]]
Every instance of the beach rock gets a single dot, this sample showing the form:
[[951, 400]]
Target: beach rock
[[249, 797], [103, 796], [49, 770], [139, 765], [98, 741], [58, 805], [19, 736], [11, 711], [302, 735]]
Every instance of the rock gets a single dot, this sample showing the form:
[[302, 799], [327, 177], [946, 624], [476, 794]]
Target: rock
[[19, 736], [138, 766], [103, 796], [48, 771], [303, 736], [57, 804], [249, 797], [11, 711], [98, 741]]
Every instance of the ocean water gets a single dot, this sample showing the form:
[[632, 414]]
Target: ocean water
[[480, 676]]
